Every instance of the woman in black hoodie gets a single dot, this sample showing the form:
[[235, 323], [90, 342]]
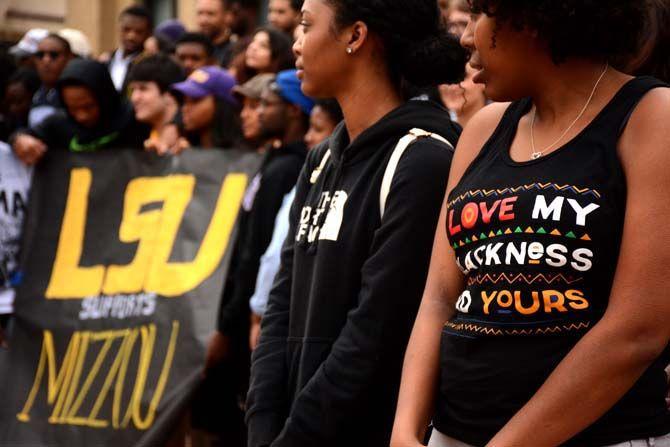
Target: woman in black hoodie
[[327, 367], [95, 116]]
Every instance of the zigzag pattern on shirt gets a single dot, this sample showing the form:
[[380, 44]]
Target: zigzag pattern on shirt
[[528, 279], [485, 330], [509, 231], [484, 193]]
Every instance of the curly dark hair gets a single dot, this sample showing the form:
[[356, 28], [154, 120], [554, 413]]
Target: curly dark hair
[[590, 29], [417, 47], [652, 57], [159, 68]]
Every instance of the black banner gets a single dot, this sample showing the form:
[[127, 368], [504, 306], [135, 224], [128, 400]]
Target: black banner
[[124, 259]]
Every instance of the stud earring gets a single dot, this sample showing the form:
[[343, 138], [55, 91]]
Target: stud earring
[[350, 50]]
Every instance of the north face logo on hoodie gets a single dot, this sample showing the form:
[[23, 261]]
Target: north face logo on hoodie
[[313, 225]]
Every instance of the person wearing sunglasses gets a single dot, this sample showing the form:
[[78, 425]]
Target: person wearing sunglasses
[[52, 55]]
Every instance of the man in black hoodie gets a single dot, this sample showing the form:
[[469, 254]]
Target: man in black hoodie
[[95, 116]]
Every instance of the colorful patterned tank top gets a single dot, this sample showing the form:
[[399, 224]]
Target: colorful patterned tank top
[[538, 243]]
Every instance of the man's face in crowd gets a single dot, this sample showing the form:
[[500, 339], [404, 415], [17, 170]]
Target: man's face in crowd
[[281, 15], [50, 60], [250, 115], [82, 105], [18, 100], [211, 17], [148, 102], [133, 31], [273, 114], [191, 56], [238, 18]]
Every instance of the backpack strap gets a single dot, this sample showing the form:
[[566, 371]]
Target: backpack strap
[[404, 143]]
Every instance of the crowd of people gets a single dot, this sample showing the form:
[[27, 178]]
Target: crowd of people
[[363, 306]]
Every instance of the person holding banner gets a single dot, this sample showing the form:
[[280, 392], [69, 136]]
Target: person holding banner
[[15, 180], [96, 117], [327, 367], [149, 81], [210, 112]]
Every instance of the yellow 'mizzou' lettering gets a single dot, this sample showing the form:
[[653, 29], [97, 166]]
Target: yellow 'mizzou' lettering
[[68, 279], [175, 279], [57, 381], [150, 229], [154, 232], [81, 404]]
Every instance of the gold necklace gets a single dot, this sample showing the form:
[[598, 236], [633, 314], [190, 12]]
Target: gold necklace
[[537, 154]]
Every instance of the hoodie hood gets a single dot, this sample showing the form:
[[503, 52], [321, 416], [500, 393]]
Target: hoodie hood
[[426, 115], [95, 76]]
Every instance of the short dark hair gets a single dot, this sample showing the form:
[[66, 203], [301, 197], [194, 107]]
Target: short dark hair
[[296, 5], [417, 48], [652, 57], [64, 42], [332, 109], [199, 39], [158, 68], [27, 77], [587, 29], [140, 12]]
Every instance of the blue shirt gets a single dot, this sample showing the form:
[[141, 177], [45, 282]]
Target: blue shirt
[[271, 259]]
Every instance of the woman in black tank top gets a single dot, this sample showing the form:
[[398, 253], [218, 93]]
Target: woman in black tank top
[[549, 275]]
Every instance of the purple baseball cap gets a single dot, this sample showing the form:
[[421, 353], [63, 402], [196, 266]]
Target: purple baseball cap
[[208, 81]]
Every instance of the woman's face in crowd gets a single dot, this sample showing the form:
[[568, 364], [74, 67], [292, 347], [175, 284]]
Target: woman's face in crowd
[[501, 57], [321, 126], [50, 60], [148, 102], [198, 114], [259, 53], [320, 56], [82, 105], [251, 122], [458, 97]]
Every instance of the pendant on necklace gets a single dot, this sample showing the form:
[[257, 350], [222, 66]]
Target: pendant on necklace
[[536, 155]]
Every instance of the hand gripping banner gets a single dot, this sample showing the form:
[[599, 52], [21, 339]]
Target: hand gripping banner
[[124, 258]]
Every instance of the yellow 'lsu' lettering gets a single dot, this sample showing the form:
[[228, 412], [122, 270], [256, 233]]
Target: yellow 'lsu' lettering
[[154, 232], [80, 403]]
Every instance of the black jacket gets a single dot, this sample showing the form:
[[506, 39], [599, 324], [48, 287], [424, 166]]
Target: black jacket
[[277, 176], [117, 126], [327, 368]]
